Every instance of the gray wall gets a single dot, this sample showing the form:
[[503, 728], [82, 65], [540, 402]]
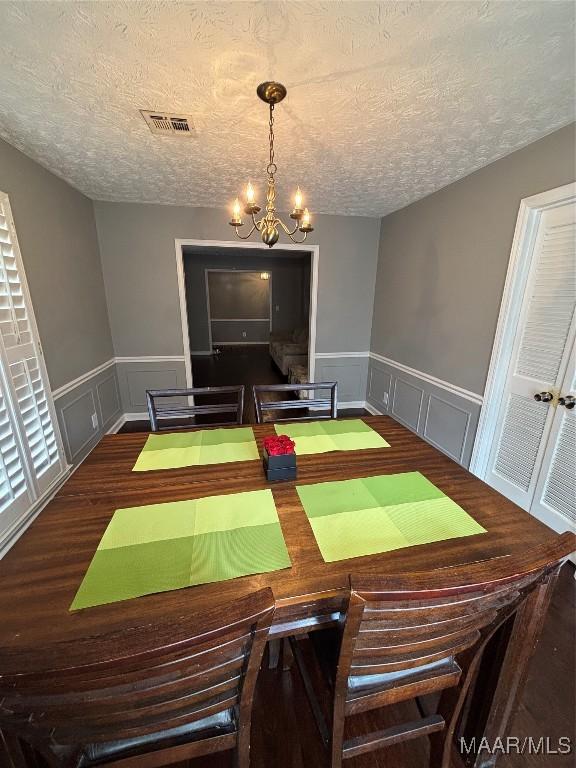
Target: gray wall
[[57, 235], [139, 261], [139, 265], [443, 261], [441, 271], [290, 289]]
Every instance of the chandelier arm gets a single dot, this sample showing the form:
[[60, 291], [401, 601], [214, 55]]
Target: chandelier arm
[[257, 224], [298, 241], [245, 237], [285, 228]]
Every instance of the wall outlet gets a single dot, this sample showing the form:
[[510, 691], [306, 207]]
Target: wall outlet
[[243, 334], [94, 421], [277, 307], [385, 398]]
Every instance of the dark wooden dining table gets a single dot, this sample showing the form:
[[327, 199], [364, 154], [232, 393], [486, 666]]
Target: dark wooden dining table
[[40, 575]]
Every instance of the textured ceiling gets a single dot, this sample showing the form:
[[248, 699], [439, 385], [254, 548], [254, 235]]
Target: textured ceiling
[[387, 102]]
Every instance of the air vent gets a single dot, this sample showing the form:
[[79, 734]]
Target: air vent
[[163, 124]]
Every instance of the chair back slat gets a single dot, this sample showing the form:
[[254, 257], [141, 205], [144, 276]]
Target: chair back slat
[[413, 616], [389, 636], [228, 400], [322, 407], [136, 683], [194, 689]]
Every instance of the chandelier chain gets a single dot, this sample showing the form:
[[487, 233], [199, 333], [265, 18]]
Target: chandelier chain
[[271, 166], [269, 224]]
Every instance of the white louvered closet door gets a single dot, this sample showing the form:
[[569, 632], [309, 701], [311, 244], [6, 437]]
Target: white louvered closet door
[[555, 496], [539, 360], [30, 450]]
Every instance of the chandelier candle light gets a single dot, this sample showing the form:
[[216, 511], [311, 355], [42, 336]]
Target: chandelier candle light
[[272, 93]]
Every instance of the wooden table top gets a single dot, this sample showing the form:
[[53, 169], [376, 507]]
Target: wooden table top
[[40, 575]]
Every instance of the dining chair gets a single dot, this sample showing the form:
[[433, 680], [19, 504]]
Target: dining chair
[[185, 411], [323, 407], [138, 698], [408, 635]]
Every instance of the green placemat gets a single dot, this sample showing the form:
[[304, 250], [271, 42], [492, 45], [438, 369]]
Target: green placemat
[[205, 446], [351, 518], [169, 546], [331, 435]]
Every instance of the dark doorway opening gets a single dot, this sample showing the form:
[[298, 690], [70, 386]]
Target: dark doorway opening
[[248, 316]]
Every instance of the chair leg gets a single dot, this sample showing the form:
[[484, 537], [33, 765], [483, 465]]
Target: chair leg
[[242, 751], [287, 656], [336, 744], [274, 648], [11, 754]]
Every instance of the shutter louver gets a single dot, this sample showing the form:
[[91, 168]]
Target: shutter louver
[[12, 479]]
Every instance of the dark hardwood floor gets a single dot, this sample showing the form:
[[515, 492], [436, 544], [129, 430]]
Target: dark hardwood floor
[[284, 734], [237, 365]]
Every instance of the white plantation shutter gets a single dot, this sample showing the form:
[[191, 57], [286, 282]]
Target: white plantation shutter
[[13, 484], [30, 448], [36, 418]]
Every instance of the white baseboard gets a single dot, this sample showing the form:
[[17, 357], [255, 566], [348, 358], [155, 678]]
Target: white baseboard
[[371, 409], [141, 416], [118, 424]]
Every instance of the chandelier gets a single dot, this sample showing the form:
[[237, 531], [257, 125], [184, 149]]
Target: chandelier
[[272, 93]]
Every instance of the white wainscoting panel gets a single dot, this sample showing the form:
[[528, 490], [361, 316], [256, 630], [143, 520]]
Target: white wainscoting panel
[[407, 401], [441, 413], [76, 403]]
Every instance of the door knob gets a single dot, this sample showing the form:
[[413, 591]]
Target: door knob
[[568, 401], [543, 397]]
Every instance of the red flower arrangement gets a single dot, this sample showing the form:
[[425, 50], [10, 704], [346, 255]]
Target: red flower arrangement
[[278, 445]]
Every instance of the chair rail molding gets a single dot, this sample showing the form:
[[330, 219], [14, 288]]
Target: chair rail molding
[[65, 388], [322, 355], [529, 214], [448, 386], [151, 359]]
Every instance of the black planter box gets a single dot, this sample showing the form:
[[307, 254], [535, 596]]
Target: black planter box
[[281, 467]]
